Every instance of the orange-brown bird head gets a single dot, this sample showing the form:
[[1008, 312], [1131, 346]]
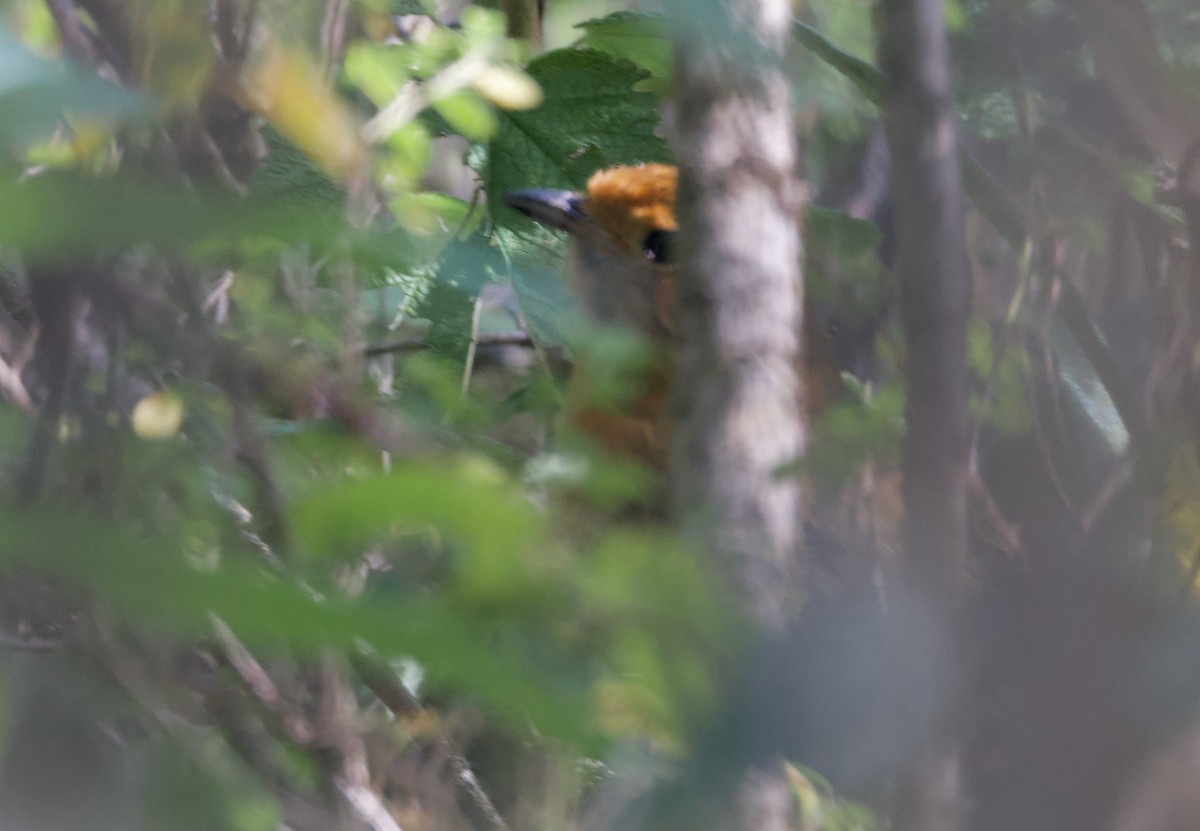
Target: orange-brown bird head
[[622, 232]]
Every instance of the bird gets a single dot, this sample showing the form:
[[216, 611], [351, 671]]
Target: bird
[[623, 265]]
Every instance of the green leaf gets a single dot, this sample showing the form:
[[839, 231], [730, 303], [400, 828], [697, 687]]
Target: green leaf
[[35, 93], [469, 115], [643, 39], [1008, 408], [290, 176], [497, 535], [146, 581], [841, 259], [590, 119], [843, 235], [58, 213], [543, 295], [1093, 407], [862, 74]]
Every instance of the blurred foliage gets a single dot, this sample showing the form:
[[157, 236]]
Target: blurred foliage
[[286, 495]]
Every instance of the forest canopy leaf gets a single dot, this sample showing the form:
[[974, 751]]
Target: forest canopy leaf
[[643, 39], [590, 119]]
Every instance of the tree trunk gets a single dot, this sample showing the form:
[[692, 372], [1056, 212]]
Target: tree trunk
[[935, 300], [935, 292], [738, 392], [738, 397]]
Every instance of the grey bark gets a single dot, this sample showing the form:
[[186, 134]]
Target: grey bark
[[935, 292], [935, 299], [739, 401], [738, 397]]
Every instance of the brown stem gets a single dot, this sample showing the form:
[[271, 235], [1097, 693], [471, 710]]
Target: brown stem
[[525, 19]]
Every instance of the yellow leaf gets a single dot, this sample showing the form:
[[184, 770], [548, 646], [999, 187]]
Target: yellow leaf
[[175, 57], [1179, 509], [158, 415], [288, 91], [508, 88]]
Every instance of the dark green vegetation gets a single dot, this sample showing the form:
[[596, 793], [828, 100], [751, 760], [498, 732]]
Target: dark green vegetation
[[286, 534]]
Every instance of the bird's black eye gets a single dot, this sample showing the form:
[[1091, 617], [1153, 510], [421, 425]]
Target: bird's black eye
[[660, 247]]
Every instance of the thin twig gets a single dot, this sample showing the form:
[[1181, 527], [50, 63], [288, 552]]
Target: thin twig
[[472, 346], [367, 804], [1108, 489], [217, 300], [479, 798], [247, 667], [333, 35], [251, 17], [13, 388], [419, 344], [382, 680], [1189, 582], [222, 19], [1009, 534]]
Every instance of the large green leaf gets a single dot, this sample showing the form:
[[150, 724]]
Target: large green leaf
[[643, 39], [590, 119]]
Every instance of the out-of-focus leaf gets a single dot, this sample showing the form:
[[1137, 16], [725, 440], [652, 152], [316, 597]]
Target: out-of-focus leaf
[[289, 176], [459, 277], [845, 235], [190, 791], [158, 415], [176, 59], [376, 70], [498, 535], [543, 294], [612, 364], [1008, 409], [508, 88], [862, 74], [383, 253], [468, 115], [35, 93], [670, 634], [856, 429], [590, 119], [61, 213], [434, 215], [643, 39], [821, 809], [411, 150], [1179, 511], [147, 581], [289, 92]]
